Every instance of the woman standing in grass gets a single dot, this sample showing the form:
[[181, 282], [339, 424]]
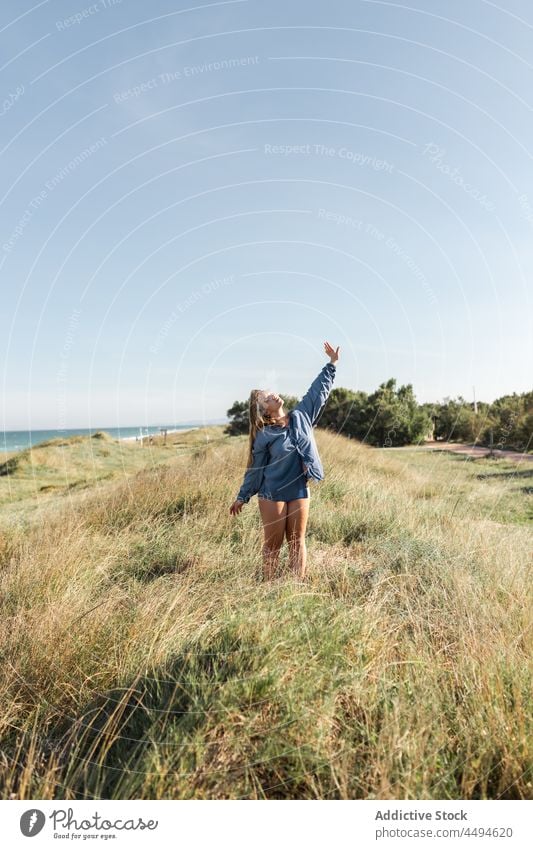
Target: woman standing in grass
[[282, 459]]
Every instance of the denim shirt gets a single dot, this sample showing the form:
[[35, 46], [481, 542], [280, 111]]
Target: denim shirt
[[298, 436]]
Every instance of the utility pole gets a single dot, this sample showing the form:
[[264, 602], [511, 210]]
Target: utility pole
[[475, 402]]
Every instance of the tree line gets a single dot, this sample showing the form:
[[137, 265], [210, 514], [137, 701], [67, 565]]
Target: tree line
[[391, 416]]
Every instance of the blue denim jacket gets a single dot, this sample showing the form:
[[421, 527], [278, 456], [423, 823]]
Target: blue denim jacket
[[300, 436]]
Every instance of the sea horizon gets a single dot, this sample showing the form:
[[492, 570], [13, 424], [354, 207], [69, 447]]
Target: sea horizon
[[18, 440]]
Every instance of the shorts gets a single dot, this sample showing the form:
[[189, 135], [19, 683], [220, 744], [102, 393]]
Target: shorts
[[299, 492]]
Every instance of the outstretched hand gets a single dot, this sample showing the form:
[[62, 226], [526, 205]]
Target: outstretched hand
[[236, 507], [332, 353]]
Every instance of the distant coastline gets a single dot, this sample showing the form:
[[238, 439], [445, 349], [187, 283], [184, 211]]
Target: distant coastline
[[146, 435], [17, 440]]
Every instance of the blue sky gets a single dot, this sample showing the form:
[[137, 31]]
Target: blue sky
[[194, 197]]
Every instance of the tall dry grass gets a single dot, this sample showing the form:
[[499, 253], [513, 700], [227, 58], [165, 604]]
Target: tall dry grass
[[144, 657]]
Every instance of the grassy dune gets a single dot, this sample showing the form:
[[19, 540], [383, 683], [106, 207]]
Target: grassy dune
[[50, 471], [143, 657]]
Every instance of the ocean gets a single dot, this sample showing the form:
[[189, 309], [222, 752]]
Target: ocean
[[16, 440]]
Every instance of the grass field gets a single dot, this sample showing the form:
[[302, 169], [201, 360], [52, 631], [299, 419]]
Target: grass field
[[143, 657], [42, 476]]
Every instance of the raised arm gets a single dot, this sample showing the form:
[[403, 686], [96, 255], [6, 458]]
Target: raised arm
[[317, 394]]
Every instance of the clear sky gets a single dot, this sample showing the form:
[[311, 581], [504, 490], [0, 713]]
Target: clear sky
[[194, 196]]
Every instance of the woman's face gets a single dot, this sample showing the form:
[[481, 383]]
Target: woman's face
[[271, 403]]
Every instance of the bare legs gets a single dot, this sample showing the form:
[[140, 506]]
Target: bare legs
[[280, 519], [297, 515], [274, 515]]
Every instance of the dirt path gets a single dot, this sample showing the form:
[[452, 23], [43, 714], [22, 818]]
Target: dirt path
[[477, 451]]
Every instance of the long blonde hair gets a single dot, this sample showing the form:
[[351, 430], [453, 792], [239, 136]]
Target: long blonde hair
[[257, 418]]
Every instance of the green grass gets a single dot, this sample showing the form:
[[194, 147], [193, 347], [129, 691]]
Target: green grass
[[57, 469], [473, 487], [143, 657]]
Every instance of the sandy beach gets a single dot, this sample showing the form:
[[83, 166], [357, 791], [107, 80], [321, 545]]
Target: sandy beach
[[157, 435]]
